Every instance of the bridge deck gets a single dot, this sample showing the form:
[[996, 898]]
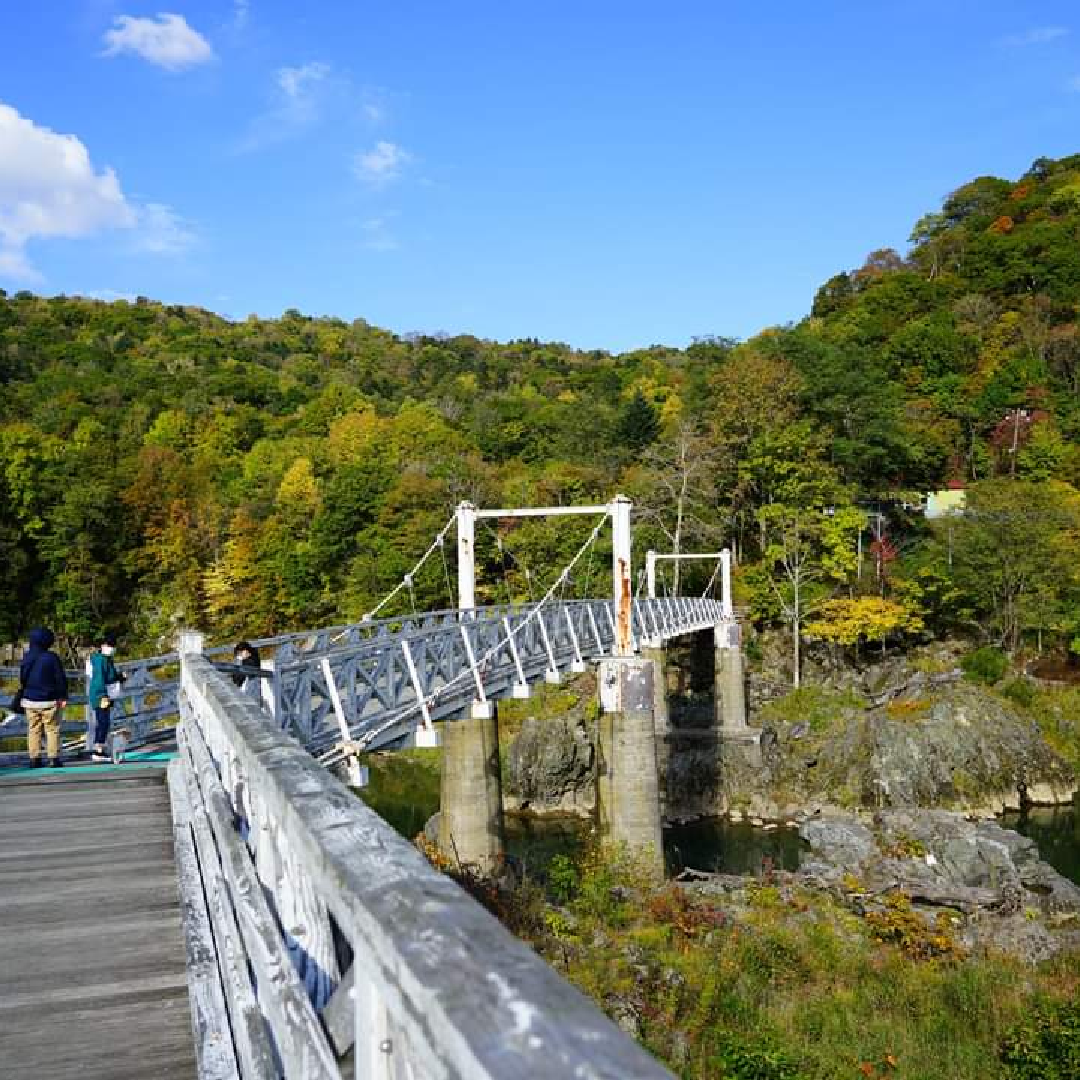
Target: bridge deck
[[92, 957]]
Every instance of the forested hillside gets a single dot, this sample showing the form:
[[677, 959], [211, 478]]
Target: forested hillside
[[161, 466]]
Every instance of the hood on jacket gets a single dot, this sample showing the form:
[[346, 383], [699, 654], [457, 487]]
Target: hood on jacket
[[41, 638]]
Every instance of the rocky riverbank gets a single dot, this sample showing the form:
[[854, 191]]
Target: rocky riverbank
[[923, 872], [910, 732]]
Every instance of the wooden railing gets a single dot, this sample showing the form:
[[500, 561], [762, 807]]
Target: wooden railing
[[322, 944]]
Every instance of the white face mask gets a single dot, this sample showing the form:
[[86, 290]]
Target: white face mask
[[108, 650]]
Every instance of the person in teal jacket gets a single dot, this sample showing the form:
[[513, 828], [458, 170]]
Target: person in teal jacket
[[104, 675]]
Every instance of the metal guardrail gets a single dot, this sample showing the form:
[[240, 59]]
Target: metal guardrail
[[146, 699], [392, 676], [321, 944]]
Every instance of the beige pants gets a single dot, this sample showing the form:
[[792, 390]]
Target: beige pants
[[47, 720]]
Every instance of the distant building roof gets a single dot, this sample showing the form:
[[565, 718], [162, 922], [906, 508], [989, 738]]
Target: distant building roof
[[944, 502]]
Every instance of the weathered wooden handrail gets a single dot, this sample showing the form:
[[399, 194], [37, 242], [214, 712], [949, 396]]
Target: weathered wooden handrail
[[323, 944]]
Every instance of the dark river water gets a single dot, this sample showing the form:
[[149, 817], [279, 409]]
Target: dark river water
[[407, 795], [713, 844], [731, 847], [1057, 832]]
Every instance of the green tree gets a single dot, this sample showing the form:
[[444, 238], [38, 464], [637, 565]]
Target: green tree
[[1015, 554], [808, 553], [638, 423]]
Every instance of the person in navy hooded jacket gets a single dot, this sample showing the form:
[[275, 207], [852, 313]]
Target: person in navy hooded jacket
[[44, 693]]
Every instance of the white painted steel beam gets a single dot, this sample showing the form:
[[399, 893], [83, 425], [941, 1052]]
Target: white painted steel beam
[[652, 557]]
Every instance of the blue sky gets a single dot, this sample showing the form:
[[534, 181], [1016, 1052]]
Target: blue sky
[[611, 175]]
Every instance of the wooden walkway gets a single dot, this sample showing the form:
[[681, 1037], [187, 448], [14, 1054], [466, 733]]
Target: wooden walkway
[[92, 956]]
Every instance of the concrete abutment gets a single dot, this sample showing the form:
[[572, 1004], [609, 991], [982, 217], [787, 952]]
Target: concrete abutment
[[471, 817]]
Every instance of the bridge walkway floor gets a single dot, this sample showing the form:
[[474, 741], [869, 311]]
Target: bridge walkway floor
[[93, 980]]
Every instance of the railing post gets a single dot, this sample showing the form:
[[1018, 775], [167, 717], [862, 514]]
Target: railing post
[[650, 573], [521, 687], [621, 541], [88, 709]]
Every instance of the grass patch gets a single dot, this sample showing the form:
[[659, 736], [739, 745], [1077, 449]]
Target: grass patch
[[788, 984], [815, 706], [907, 709], [546, 702]]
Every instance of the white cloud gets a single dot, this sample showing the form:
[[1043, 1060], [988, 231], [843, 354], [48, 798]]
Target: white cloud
[[300, 94], [374, 107], [167, 42], [161, 231], [298, 83], [382, 164], [15, 267], [1038, 35], [49, 188]]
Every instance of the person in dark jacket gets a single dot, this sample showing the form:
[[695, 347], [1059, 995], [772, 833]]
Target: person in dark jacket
[[44, 688], [102, 687], [246, 655]]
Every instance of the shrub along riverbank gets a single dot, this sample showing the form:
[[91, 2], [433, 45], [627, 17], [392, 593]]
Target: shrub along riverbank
[[769, 979], [775, 981]]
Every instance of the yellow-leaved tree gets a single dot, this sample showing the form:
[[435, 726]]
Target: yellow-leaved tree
[[847, 621]]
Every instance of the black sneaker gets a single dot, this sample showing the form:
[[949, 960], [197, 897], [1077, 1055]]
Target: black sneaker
[[99, 758], [35, 763], [55, 763]]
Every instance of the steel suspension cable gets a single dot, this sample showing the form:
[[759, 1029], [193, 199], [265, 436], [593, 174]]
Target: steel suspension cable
[[406, 581], [712, 581], [481, 661]]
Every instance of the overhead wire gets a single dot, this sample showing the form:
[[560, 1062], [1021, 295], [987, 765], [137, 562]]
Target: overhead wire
[[560, 583], [407, 580], [481, 661]]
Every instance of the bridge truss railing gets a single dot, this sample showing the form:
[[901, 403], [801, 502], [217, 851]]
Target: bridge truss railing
[[432, 668], [143, 707], [370, 665], [321, 944]]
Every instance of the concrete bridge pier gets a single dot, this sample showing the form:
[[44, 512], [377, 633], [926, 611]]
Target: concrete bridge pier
[[657, 654], [627, 781], [730, 689], [470, 815], [729, 678]]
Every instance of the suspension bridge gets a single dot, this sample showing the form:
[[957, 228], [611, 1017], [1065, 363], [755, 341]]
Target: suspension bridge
[[289, 931]]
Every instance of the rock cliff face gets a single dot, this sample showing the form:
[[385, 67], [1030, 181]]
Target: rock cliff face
[[938, 859], [926, 849], [964, 750], [919, 740], [958, 747], [981, 886], [550, 766]]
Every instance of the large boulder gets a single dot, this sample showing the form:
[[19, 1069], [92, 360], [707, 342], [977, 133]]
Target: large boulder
[[840, 841], [551, 766], [938, 854]]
